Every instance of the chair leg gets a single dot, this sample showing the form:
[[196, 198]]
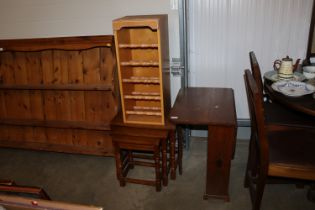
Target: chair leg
[[311, 193], [251, 162], [157, 168], [248, 166], [260, 187]]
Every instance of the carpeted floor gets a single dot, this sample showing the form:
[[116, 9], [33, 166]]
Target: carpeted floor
[[92, 180]]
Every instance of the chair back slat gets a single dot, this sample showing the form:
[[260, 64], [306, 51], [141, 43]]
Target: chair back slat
[[256, 71], [256, 108]]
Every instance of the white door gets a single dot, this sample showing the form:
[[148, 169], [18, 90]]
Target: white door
[[222, 32]]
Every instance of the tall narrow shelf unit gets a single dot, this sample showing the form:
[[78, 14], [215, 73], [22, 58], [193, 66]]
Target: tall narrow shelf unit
[[143, 68]]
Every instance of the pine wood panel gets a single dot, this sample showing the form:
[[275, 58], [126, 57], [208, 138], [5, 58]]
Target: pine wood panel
[[7, 66], [67, 80], [91, 66]]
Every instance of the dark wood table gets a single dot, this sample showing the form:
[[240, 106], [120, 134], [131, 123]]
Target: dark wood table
[[215, 108], [304, 104]]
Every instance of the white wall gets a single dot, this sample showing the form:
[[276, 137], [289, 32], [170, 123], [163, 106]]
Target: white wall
[[222, 32], [57, 18]]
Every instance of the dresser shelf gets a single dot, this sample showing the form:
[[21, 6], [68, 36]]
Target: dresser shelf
[[142, 80], [57, 124], [143, 113], [81, 87], [142, 97], [134, 46], [139, 63]]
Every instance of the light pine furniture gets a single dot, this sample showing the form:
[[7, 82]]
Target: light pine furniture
[[10, 202], [148, 138], [143, 68], [10, 187], [126, 159], [58, 94]]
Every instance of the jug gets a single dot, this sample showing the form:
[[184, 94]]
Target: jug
[[285, 67]]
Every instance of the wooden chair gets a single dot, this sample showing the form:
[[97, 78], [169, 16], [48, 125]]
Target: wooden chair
[[283, 153], [10, 187], [277, 115]]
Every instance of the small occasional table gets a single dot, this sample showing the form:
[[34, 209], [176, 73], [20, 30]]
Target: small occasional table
[[215, 108], [118, 127]]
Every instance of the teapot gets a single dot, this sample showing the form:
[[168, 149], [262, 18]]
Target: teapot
[[285, 67]]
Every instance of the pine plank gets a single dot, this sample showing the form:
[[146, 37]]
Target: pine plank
[[91, 66], [63, 102], [20, 76], [75, 67], [7, 68], [77, 104], [35, 76], [107, 66], [20, 71], [36, 103]]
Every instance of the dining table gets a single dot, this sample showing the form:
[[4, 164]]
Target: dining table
[[303, 104]]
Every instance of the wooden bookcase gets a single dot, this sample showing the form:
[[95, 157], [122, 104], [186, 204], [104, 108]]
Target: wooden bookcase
[[143, 68]]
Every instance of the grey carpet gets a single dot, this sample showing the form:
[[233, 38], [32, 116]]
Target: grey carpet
[[92, 180]]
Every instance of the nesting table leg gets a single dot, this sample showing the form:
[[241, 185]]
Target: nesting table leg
[[157, 168], [119, 169], [164, 162]]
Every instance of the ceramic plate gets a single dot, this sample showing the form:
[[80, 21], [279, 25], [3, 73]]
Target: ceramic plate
[[273, 76], [293, 88]]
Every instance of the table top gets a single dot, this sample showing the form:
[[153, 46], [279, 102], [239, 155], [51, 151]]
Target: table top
[[204, 106], [304, 104]]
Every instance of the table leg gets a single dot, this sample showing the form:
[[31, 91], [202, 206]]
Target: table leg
[[172, 154], [180, 149], [220, 151]]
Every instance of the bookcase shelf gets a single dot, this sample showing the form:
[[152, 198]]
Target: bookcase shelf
[[142, 53], [134, 46], [139, 63]]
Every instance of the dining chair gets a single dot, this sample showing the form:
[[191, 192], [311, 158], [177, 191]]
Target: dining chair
[[274, 153], [276, 114]]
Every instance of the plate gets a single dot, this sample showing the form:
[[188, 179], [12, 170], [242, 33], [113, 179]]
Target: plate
[[293, 88], [273, 76]]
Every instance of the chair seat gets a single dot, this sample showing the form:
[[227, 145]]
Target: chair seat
[[289, 159], [280, 115]]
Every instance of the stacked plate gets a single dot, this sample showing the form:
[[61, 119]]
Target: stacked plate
[[293, 88], [273, 76]]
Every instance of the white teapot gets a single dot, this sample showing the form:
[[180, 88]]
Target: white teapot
[[285, 67]]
